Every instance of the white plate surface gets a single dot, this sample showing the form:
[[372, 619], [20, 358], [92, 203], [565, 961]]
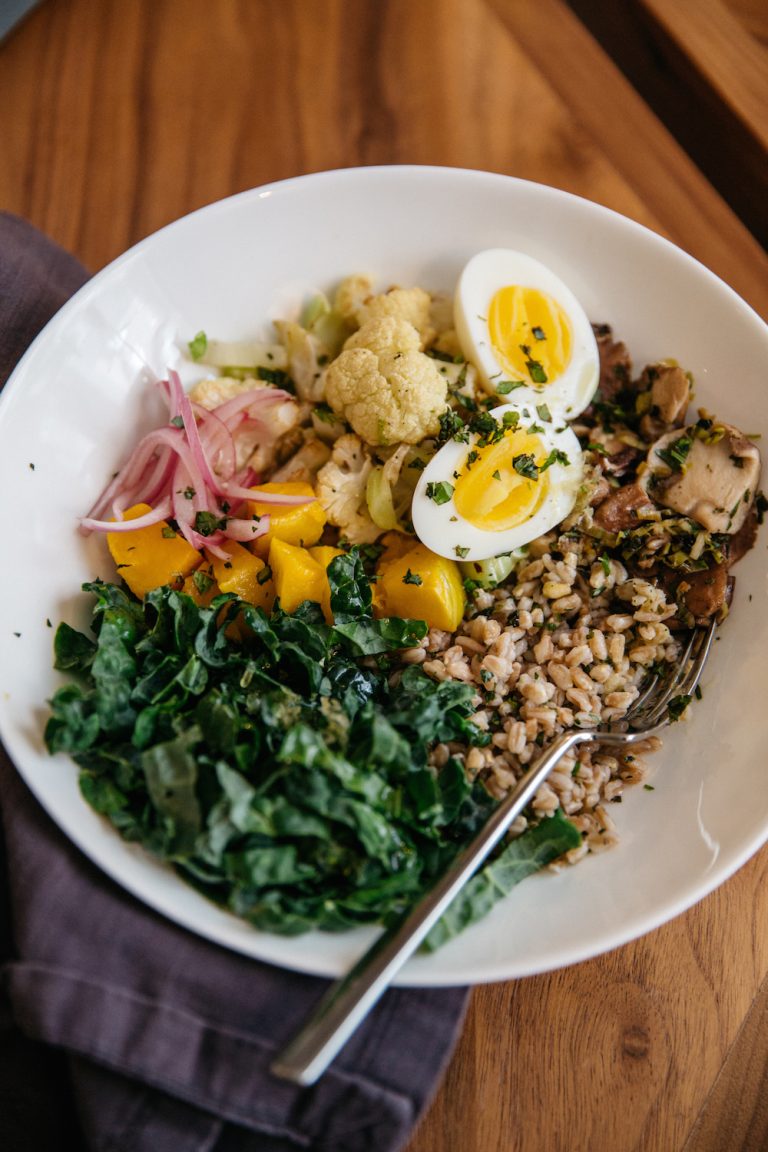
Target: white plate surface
[[79, 398]]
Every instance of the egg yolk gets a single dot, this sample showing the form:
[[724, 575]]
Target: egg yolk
[[501, 486], [530, 334]]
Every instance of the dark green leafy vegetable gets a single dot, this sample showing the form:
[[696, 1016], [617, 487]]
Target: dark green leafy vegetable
[[521, 857], [283, 776]]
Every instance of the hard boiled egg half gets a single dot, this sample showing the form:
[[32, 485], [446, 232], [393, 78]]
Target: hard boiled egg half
[[494, 491], [525, 332]]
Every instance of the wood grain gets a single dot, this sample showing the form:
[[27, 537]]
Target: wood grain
[[724, 53], [118, 117], [702, 65]]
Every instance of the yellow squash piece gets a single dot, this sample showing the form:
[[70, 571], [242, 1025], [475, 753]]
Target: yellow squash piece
[[395, 545], [420, 585], [299, 577], [298, 524], [244, 574], [150, 557]]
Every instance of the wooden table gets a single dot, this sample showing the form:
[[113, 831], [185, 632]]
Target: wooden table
[[117, 116]]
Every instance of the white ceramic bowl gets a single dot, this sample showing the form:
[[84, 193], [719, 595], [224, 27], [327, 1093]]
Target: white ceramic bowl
[[78, 400]]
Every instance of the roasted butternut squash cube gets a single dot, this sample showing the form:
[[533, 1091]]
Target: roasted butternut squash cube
[[297, 576], [244, 574], [421, 585], [298, 524], [152, 556], [201, 586]]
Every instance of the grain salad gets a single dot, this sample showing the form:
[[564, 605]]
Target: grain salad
[[368, 571]]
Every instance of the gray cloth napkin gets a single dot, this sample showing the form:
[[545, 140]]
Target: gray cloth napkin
[[120, 1030]]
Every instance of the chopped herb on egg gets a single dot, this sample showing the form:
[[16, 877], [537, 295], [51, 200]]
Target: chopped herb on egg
[[539, 333], [504, 387], [496, 475], [412, 578], [525, 465], [535, 367], [544, 413], [556, 456], [440, 491], [461, 552]]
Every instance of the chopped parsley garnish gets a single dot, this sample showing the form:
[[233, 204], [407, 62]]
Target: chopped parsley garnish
[[275, 376], [678, 705], [526, 466], [496, 475], [461, 552], [452, 427], [535, 367], [539, 333], [177, 421], [412, 578], [189, 493], [264, 575], [418, 464], [544, 413], [325, 414], [440, 491], [556, 456], [504, 387], [676, 454], [202, 581], [472, 457], [168, 532], [198, 346], [206, 523]]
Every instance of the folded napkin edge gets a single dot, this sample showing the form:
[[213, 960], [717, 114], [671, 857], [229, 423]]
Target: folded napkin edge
[[194, 1059]]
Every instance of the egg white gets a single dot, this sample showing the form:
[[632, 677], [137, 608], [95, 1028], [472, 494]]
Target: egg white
[[446, 532], [482, 277]]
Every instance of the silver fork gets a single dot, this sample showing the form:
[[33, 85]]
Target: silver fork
[[348, 1001]]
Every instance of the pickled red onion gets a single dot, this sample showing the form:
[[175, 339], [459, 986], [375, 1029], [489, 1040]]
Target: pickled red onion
[[188, 467]]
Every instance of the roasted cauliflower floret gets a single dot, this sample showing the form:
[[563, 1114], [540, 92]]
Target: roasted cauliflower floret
[[341, 489], [384, 386], [411, 304], [257, 443], [350, 297]]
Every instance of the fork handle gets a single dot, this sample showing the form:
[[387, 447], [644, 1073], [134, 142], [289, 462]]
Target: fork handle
[[349, 999]]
